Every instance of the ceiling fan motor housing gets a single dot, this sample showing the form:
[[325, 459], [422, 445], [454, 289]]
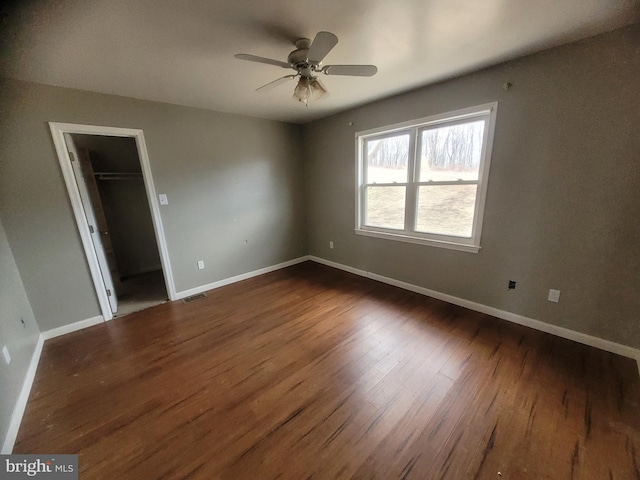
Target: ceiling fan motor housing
[[306, 60], [299, 58]]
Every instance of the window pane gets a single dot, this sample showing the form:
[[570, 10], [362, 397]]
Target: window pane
[[385, 207], [446, 209], [387, 159], [451, 152]]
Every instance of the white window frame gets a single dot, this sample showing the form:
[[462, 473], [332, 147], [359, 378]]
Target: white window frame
[[414, 127]]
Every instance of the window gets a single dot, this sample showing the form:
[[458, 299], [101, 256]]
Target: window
[[425, 181]]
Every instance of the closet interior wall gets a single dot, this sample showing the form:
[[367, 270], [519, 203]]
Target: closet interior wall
[[118, 174]]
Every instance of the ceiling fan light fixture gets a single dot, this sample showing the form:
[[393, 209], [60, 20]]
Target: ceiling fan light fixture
[[303, 92], [307, 60], [317, 89]]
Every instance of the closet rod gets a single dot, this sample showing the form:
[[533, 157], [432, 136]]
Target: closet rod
[[117, 176]]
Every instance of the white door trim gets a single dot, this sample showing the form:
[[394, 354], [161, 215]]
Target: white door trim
[[57, 132]]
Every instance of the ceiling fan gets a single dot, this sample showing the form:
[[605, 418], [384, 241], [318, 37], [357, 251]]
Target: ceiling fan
[[306, 60]]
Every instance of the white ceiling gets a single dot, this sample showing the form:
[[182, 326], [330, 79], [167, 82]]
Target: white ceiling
[[182, 51]]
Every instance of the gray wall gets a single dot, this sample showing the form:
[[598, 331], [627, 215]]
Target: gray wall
[[563, 194], [561, 206], [124, 202], [20, 340], [229, 179]]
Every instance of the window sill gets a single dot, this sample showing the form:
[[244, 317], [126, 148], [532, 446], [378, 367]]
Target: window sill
[[420, 241]]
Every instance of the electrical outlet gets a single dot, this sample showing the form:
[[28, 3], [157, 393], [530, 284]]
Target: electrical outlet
[[330, 244], [200, 264], [512, 284], [554, 295], [5, 354], [163, 199]]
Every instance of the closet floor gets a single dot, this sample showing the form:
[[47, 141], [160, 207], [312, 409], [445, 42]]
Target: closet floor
[[140, 292]]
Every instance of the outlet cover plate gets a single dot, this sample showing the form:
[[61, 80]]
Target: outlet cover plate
[[554, 295]]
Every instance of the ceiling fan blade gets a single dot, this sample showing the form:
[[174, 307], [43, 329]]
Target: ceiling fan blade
[[322, 44], [275, 83], [352, 70], [255, 58]]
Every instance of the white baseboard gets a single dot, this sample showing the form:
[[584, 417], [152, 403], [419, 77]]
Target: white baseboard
[[23, 398], [72, 327], [89, 322], [579, 337], [21, 402], [239, 278]]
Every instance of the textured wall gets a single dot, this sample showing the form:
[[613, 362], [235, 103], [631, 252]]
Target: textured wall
[[563, 194], [20, 340], [234, 183]]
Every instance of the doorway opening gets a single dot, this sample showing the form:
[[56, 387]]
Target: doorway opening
[[109, 181]]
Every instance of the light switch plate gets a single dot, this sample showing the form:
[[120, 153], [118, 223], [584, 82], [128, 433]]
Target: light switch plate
[[163, 199], [554, 295]]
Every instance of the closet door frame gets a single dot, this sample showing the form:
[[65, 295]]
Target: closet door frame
[[58, 130]]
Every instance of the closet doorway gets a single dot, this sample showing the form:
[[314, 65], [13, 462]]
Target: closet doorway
[[109, 182]]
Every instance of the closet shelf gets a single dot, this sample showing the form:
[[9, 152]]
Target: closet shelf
[[117, 176]]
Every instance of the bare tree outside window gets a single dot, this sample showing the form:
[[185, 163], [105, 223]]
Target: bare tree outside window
[[387, 159], [451, 152]]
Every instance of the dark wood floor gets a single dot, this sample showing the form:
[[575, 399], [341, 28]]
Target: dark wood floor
[[310, 372]]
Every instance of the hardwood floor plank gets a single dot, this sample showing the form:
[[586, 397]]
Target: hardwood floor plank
[[310, 372]]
